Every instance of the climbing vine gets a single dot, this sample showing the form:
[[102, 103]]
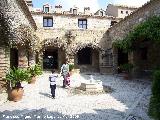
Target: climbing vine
[[24, 37], [148, 30], [5, 33]]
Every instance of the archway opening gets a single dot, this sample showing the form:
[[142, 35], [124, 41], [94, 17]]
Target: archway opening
[[87, 60], [50, 59], [122, 58], [84, 56]]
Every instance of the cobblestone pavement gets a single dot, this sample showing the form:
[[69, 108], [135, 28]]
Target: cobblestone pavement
[[128, 101]]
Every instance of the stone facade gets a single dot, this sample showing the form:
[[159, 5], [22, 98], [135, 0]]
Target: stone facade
[[70, 21], [79, 38], [119, 11], [68, 39]]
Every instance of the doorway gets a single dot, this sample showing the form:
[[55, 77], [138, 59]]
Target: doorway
[[13, 58], [50, 59], [122, 58]]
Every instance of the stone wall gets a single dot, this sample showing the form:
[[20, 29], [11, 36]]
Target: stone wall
[[79, 39], [57, 36], [62, 21], [121, 29], [15, 15]]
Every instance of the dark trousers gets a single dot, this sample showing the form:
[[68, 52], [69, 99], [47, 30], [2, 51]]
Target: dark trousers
[[53, 88], [64, 80]]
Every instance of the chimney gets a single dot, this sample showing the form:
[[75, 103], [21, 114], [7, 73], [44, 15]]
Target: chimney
[[87, 10], [46, 8], [29, 4], [74, 10], [58, 9]]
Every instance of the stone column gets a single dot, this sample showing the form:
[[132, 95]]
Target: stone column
[[133, 58], [22, 58], [4, 64], [32, 58], [69, 55], [40, 58], [115, 60]]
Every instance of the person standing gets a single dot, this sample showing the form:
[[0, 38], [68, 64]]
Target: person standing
[[52, 79], [64, 72]]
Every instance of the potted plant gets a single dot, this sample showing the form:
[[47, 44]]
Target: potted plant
[[71, 68], [126, 68], [14, 78], [34, 71]]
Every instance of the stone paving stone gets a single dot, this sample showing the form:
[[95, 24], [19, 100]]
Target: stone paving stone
[[117, 105]]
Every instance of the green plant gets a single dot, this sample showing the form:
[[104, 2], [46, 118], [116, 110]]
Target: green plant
[[35, 70], [38, 69], [16, 76], [71, 67], [154, 106], [148, 30], [126, 67]]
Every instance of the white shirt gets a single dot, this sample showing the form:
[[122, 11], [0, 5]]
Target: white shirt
[[52, 79]]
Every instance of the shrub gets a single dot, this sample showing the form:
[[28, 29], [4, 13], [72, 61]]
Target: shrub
[[154, 106], [35, 70], [16, 76], [126, 67], [38, 69], [71, 67]]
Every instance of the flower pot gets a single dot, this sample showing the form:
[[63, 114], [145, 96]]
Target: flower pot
[[127, 76], [33, 80], [15, 94], [72, 72]]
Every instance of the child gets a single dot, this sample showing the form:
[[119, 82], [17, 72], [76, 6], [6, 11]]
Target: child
[[52, 79]]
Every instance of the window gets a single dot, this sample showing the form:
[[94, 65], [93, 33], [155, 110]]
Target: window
[[121, 12], [126, 12], [47, 22], [82, 23], [46, 9]]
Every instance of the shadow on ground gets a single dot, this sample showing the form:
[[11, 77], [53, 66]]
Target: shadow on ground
[[44, 114]]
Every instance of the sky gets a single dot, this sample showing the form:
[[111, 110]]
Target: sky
[[93, 4]]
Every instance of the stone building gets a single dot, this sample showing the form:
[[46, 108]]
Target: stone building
[[13, 14], [77, 37], [84, 39], [145, 58], [119, 11]]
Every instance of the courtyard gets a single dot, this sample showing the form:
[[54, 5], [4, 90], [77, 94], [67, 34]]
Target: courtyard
[[128, 100]]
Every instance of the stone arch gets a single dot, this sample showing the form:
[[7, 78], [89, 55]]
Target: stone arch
[[80, 46], [90, 54], [53, 48]]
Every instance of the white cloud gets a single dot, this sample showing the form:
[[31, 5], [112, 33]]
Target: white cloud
[[67, 4], [136, 3]]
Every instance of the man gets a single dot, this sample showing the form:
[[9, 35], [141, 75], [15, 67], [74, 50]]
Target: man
[[52, 79], [64, 72]]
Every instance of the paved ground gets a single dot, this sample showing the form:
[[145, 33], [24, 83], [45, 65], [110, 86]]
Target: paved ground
[[128, 101]]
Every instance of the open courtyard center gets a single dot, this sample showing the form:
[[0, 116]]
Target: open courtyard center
[[128, 100]]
